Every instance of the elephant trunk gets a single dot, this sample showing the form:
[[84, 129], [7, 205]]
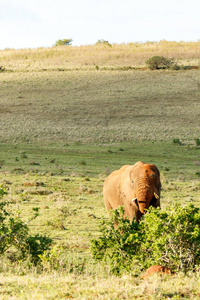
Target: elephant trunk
[[144, 193], [143, 203]]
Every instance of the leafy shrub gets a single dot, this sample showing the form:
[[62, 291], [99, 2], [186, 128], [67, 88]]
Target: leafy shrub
[[161, 62], [2, 69], [117, 247], [197, 141], [170, 238], [158, 62], [64, 42], [35, 246], [14, 234], [177, 141], [175, 67], [2, 191], [12, 229], [53, 258], [103, 42]]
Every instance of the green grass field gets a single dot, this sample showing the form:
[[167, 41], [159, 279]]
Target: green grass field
[[61, 134]]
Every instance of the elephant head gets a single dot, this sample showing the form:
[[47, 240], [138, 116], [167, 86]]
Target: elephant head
[[145, 185], [136, 187]]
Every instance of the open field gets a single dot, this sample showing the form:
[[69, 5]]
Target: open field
[[63, 132], [99, 107]]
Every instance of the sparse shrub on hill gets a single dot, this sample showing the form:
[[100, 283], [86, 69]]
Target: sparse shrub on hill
[[158, 62], [175, 67], [64, 42], [103, 42], [161, 62], [164, 237]]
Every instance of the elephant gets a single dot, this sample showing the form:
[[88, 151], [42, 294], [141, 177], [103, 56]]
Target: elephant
[[136, 187]]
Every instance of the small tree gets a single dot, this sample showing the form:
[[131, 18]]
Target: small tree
[[158, 62], [103, 42], [172, 238], [164, 237], [64, 42]]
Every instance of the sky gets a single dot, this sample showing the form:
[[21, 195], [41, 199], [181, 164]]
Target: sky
[[40, 23]]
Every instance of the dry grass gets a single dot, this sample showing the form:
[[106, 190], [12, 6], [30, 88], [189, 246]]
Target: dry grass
[[103, 56], [63, 286], [99, 106]]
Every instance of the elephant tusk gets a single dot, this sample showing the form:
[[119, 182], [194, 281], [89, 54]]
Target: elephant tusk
[[134, 199], [156, 196]]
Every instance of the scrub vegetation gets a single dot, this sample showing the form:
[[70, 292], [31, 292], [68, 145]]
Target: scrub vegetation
[[101, 56], [163, 237], [68, 117]]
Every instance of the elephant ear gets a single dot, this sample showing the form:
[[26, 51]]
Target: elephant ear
[[158, 183], [126, 185], [159, 186]]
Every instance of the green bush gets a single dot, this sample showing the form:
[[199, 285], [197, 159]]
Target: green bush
[[177, 141], [35, 246], [53, 259], [103, 42], [117, 247], [2, 69], [170, 238], [161, 62], [12, 229], [175, 67], [197, 141], [158, 62], [64, 42], [14, 235]]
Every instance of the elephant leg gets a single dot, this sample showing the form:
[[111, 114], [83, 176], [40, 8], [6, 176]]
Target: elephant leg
[[108, 206]]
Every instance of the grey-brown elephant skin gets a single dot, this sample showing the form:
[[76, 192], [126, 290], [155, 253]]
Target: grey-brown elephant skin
[[136, 187]]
